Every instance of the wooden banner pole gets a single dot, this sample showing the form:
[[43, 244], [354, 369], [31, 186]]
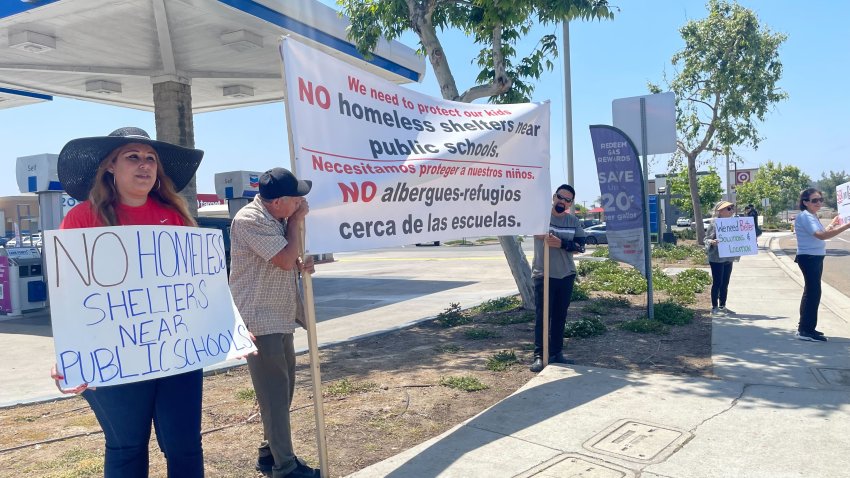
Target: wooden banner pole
[[310, 312]]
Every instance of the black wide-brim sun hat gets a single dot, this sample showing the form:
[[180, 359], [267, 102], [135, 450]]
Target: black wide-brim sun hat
[[79, 159]]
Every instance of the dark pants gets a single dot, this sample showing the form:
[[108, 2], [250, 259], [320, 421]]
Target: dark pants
[[125, 413], [812, 269], [720, 274], [560, 292], [273, 374]]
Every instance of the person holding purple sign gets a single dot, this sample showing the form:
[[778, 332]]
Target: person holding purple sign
[[127, 179], [811, 249], [565, 238]]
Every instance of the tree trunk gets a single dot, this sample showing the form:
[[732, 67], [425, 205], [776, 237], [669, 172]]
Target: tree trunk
[[694, 187], [424, 28], [520, 269]]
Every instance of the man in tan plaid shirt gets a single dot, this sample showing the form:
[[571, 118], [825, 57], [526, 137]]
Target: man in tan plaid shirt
[[265, 251]]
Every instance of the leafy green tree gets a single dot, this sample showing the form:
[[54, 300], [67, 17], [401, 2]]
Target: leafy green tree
[[708, 185], [781, 185], [726, 80], [495, 26], [827, 184]]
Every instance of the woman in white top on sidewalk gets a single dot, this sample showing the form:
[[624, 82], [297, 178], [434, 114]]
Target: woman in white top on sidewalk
[[721, 267], [811, 249]]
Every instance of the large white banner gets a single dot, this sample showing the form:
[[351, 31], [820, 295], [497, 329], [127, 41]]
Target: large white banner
[[736, 236], [842, 196], [134, 303], [391, 166]]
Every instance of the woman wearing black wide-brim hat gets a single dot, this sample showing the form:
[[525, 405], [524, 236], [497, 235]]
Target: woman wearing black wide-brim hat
[[128, 179]]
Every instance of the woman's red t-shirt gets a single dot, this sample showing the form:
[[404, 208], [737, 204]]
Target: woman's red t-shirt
[[152, 212]]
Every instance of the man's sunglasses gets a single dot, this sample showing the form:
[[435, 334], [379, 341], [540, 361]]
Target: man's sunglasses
[[814, 200], [729, 208], [562, 198]]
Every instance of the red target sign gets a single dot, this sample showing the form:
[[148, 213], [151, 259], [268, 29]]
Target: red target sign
[[742, 177]]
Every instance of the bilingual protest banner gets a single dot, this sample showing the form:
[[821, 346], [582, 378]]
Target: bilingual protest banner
[[134, 303], [736, 236], [391, 166], [621, 185], [842, 196]]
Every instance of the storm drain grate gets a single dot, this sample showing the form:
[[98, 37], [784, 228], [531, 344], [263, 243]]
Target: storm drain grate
[[833, 376], [638, 441], [577, 466]]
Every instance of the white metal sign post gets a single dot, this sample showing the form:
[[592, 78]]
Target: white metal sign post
[[650, 122]]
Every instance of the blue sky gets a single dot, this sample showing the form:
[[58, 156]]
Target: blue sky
[[611, 59]]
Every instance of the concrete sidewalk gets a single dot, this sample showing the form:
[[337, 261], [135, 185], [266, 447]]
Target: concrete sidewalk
[[780, 407]]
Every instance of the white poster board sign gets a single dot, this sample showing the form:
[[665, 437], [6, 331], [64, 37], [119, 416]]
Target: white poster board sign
[[842, 196], [736, 236], [391, 166], [134, 303]]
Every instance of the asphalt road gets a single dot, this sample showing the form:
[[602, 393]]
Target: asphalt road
[[837, 261]]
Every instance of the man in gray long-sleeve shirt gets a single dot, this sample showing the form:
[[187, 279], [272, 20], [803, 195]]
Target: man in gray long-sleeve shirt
[[565, 238]]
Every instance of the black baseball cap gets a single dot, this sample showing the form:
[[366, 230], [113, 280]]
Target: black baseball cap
[[279, 182]]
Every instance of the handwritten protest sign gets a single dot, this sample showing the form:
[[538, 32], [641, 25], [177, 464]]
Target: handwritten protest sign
[[139, 302], [736, 236], [391, 166], [842, 196]]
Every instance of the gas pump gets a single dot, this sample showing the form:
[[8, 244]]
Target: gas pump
[[22, 286], [37, 174], [24, 268], [238, 188]]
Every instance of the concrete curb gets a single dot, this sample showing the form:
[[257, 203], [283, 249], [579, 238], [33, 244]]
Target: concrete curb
[[831, 298]]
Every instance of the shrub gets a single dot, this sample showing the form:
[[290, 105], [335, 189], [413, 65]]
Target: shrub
[[246, 394], [585, 268], [600, 251], [452, 316], [467, 383], [579, 292], [699, 257], [686, 284], [501, 361], [699, 278], [660, 280], [499, 305], [644, 326], [617, 280], [584, 328], [671, 313]]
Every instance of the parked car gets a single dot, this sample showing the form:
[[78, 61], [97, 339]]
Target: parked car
[[585, 223], [26, 241], [683, 222], [596, 234], [222, 223], [705, 223]]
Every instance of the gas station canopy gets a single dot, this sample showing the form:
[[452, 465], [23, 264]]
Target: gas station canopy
[[227, 50]]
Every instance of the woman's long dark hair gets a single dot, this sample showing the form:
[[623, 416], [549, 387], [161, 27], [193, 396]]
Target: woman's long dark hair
[[104, 197], [806, 194]]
